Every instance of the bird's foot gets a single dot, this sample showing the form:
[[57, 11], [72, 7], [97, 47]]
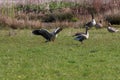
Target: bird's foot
[[46, 41]]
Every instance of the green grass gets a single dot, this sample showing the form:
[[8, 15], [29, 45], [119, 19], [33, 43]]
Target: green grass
[[27, 57]]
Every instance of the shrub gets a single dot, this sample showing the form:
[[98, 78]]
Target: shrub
[[29, 8], [48, 18], [113, 19], [15, 23], [57, 16], [74, 19], [64, 16], [58, 5]]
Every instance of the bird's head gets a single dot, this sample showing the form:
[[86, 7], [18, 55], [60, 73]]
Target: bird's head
[[100, 21]]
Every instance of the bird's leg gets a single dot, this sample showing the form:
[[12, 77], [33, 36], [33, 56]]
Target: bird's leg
[[46, 41], [81, 42], [53, 40]]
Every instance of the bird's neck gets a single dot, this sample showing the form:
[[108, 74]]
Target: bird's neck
[[87, 36], [93, 20], [86, 32], [92, 16]]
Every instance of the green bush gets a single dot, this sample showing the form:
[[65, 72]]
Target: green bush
[[29, 8], [74, 19], [48, 18], [41, 7], [58, 5], [65, 16]]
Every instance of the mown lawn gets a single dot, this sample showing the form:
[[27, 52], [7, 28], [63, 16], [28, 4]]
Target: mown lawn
[[27, 57]]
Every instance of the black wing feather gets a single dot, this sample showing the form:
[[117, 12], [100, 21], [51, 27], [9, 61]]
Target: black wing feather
[[89, 24], [81, 38], [43, 33], [56, 31]]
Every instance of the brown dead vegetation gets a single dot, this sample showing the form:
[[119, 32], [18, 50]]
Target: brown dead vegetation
[[76, 16]]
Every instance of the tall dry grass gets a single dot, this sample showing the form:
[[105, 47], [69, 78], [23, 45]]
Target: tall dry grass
[[15, 23], [21, 18]]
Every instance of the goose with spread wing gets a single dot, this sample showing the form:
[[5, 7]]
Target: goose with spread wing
[[49, 36]]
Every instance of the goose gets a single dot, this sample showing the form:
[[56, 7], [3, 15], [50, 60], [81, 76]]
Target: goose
[[99, 25], [82, 36], [49, 36], [91, 23], [111, 29]]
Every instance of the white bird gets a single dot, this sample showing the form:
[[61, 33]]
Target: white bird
[[99, 25], [111, 29], [91, 23], [82, 36], [49, 36]]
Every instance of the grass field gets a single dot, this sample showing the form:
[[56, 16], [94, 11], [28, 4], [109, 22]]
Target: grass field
[[27, 57]]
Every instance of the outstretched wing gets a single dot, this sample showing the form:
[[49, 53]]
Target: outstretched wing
[[47, 35], [56, 31], [36, 32]]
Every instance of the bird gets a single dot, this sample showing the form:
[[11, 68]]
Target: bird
[[91, 23], [111, 29], [82, 36], [99, 25], [49, 36]]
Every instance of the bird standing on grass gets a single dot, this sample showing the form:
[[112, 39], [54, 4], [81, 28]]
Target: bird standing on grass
[[91, 23], [111, 29], [99, 25], [82, 36], [49, 36]]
